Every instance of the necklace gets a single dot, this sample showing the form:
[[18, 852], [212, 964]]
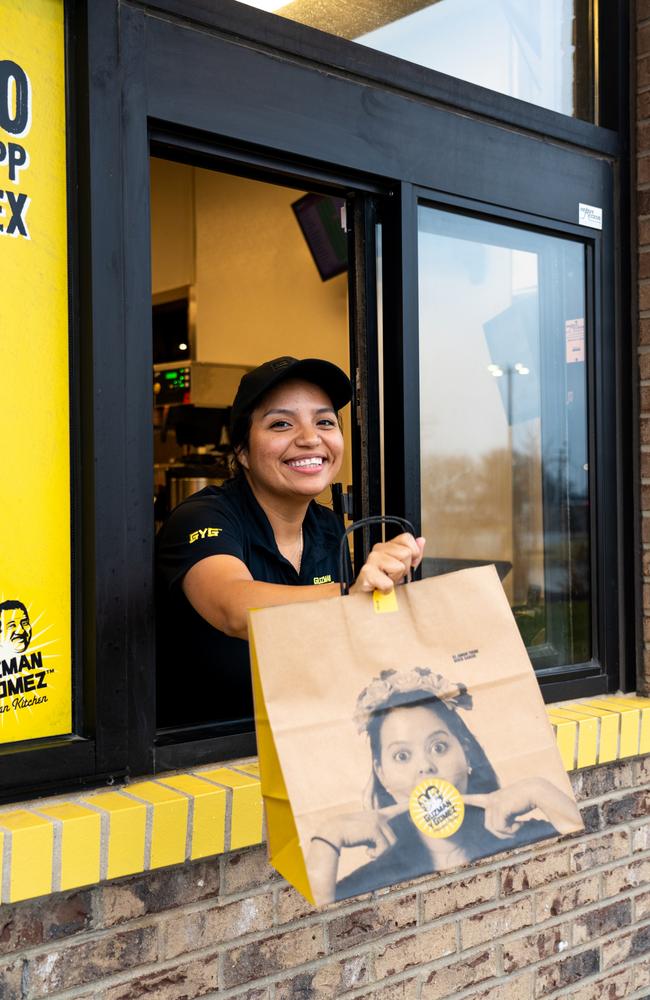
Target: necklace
[[300, 547]]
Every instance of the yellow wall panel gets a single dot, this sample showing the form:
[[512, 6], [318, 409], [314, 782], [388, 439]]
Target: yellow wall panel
[[628, 724], [32, 843], [565, 737], [35, 625], [127, 826]]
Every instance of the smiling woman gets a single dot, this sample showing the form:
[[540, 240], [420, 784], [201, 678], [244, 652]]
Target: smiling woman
[[259, 540]]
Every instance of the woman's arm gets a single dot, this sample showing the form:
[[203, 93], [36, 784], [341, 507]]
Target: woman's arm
[[221, 589], [506, 804]]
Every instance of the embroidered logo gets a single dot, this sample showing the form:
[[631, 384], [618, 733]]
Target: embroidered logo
[[204, 533]]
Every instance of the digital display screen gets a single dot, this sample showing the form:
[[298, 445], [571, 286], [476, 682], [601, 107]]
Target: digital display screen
[[172, 385]]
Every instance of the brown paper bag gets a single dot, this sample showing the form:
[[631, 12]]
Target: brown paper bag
[[400, 737]]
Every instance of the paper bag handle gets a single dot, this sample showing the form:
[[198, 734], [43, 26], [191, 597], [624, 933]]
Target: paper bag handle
[[364, 522]]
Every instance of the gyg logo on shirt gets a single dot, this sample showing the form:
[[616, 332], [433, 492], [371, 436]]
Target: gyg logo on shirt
[[323, 579], [204, 533]]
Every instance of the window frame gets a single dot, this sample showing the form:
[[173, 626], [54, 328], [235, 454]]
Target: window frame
[[119, 88]]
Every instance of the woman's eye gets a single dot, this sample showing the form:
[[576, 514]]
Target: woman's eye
[[401, 756], [440, 746], [279, 424], [326, 422]]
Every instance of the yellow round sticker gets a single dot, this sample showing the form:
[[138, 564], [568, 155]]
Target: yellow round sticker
[[436, 807]]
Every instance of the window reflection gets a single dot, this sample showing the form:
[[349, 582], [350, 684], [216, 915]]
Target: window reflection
[[503, 421], [536, 50]]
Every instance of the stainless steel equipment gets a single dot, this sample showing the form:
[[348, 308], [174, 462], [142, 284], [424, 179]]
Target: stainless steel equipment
[[195, 382]]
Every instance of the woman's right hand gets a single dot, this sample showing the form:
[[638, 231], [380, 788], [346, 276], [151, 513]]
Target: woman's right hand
[[389, 563]]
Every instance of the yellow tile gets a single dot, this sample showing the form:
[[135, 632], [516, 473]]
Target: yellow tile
[[643, 704], [170, 815], [587, 734], [609, 726], [630, 724], [32, 842], [565, 737], [128, 823], [80, 843], [2, 847], [209, 822], [252, 767], [246, 826]]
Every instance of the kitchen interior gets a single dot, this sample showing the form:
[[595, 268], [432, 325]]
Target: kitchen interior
[[242, 271]]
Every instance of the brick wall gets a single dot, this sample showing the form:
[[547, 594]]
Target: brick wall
[[570, 919]]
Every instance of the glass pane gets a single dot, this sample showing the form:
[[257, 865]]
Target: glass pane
[[503, 404], [537, 51]]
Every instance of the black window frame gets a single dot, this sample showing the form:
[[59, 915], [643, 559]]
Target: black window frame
[[121, 89]]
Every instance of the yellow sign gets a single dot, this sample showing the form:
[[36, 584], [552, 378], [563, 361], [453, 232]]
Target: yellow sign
[[35, 588], [437, 808]]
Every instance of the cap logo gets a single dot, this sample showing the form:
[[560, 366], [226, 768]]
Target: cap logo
[[280, 363]]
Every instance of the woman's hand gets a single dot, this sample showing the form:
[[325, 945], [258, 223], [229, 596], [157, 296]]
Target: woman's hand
[[503, 807], [369, 829], [389, 563]]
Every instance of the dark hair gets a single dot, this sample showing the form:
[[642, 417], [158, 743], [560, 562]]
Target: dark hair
[[12, 605], [482, 777]]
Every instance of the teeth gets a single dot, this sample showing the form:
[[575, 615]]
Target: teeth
[[306, 461]]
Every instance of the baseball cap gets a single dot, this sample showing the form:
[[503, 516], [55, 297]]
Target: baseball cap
[[254, 384]]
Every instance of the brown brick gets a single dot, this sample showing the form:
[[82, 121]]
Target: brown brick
[[329, 982], [604, 920], [644, 258], [26, 924], [456, 896], [491, 924], [407, 989], [156, 891], [519, 988], [385, 916], [643, 105], [642, 770], [645, 526], [644, 366], [644, 295], [644, 341], [641, 975], [564, 898], [643, 141], [641, 906], [533, 947], [625, 876], [643, 40], [442, 982], [188, 932], [644, 430], [626, 946], [191, 979], [643, 174], [86, 962], [592, 782], [643, 231], [535, 872], [642, 10], [290, 905], [11, 980], [616, 987], [643, 77], [247, 870], [634, 806], [567, 971], [599, 850], [415, 949], [272, 955]]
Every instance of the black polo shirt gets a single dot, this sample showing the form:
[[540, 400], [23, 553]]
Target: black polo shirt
[[203, 675]]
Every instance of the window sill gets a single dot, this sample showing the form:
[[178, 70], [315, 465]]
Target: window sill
[[53, 845]]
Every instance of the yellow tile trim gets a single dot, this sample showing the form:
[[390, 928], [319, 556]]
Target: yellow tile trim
[[61, 844]]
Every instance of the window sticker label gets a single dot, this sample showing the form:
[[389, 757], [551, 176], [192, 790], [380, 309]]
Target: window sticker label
[[590, 215]]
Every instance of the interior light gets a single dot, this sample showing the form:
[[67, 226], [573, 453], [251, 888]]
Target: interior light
[[182, 347], [523, 370], [493, 368]]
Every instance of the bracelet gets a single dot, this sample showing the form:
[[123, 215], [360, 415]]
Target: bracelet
[[329, 843]]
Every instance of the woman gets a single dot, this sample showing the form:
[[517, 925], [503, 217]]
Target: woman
[[259, 540], [416, 735]]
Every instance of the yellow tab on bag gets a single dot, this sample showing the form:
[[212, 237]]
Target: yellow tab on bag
[[384, 603]]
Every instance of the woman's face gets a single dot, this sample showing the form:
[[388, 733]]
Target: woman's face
[[416, 743], [295, 446]]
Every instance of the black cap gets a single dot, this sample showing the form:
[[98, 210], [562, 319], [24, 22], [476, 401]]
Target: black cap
[[322, 373]]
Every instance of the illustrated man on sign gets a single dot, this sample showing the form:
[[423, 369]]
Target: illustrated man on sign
[[15, 627]]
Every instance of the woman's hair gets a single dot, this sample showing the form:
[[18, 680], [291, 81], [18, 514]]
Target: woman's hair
[[423, 688]]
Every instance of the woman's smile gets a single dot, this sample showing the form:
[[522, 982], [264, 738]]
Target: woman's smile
[[295, 445]]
